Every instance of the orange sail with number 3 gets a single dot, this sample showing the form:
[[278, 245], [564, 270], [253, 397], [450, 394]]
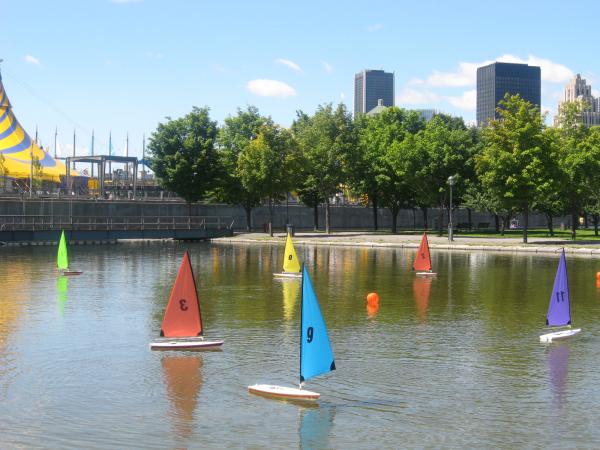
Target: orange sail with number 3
[[182, 316], [423, 260]]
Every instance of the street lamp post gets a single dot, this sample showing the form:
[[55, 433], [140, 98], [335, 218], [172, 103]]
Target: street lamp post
[[451, 181]]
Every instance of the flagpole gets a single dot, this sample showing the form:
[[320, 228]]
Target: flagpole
[[74, 166], [31, 169], [92, 153]]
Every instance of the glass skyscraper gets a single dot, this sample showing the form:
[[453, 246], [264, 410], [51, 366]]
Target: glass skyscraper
[[497, 79], [370, 86]]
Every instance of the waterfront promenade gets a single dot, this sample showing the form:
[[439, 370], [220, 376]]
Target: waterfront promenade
[[547, 245]]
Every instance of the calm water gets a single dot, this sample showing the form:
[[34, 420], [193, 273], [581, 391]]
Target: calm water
[[449, 362]]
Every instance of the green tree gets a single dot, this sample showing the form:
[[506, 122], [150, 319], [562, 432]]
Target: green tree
[[183, 155], [325, 140], [578, 155], [386, 159], [447, 147], [234, 137], [268, 164], [38, 174], [515, 160]]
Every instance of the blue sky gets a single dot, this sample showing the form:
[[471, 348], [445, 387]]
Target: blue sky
[[124, 65]]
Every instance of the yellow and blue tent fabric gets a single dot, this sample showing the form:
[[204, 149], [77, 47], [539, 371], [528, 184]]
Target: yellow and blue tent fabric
[[17, 147]]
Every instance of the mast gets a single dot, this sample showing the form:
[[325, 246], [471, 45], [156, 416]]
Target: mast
[[55, 137], [301, 325]]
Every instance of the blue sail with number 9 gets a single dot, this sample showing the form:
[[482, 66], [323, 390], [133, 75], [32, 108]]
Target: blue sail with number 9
[[316, 356], [559, 310]]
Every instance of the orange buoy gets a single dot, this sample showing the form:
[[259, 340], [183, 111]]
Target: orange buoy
[[597, 275], [373, 298], [372, 309]]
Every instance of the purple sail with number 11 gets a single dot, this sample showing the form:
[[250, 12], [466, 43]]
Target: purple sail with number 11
[[559, 311]]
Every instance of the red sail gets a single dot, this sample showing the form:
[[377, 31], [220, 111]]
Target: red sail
[[182, 316], [423, 260]]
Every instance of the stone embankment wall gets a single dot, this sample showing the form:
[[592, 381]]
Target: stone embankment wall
[[342, 217]]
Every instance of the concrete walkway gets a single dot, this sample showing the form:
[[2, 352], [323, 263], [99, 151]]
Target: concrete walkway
[[386, 240]]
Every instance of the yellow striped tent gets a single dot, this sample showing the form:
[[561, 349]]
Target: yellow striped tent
[[17, 147]]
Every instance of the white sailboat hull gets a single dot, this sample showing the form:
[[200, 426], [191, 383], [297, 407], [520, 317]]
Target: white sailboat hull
[[283, 392], [288, 275], [556, 335], [70, 272], [184, 344], [426, 274]]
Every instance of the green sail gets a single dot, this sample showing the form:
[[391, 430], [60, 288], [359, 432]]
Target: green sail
[[62, 259]]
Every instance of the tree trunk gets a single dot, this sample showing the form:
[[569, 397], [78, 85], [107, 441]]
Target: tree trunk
[[470, 219], [503, 227], [316, 217], [595, 218], [248, 219], [441, 220], [394, 212], [497, 223], [585, 220], [414, 218], [424, 211], [327, 217], [526, 222], [270, 217], [574, 223], [374, 203], [550, 224]]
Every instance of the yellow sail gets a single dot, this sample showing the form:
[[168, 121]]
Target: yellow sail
[[290, 260]]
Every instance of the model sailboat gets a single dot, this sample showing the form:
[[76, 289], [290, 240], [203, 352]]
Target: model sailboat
[[559, 310], [291, 265], [182, 324], [62, 258], [422, 263], [316, 356]]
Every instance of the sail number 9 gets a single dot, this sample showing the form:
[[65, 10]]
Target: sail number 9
[[182, 305], [309, 334]]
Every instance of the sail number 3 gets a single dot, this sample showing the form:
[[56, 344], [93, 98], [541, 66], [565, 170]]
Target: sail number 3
[[182, 305], [309, 334]]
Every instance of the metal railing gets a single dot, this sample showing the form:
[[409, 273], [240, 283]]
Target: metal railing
[[104, 223]]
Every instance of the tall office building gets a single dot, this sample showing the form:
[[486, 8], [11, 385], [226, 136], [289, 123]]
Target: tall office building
[[498, 79], [370, 86], [579, 90]]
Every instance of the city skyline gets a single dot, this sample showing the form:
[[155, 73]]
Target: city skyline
[[132, 63]]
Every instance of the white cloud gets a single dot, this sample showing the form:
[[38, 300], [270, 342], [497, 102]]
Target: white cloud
[[155, 55], [342, 96], [375, 27], [547, 109], [466, 73], [328, 67], [288, 63], [270, 88], [410, 96], [32, 60], [466, 101]]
